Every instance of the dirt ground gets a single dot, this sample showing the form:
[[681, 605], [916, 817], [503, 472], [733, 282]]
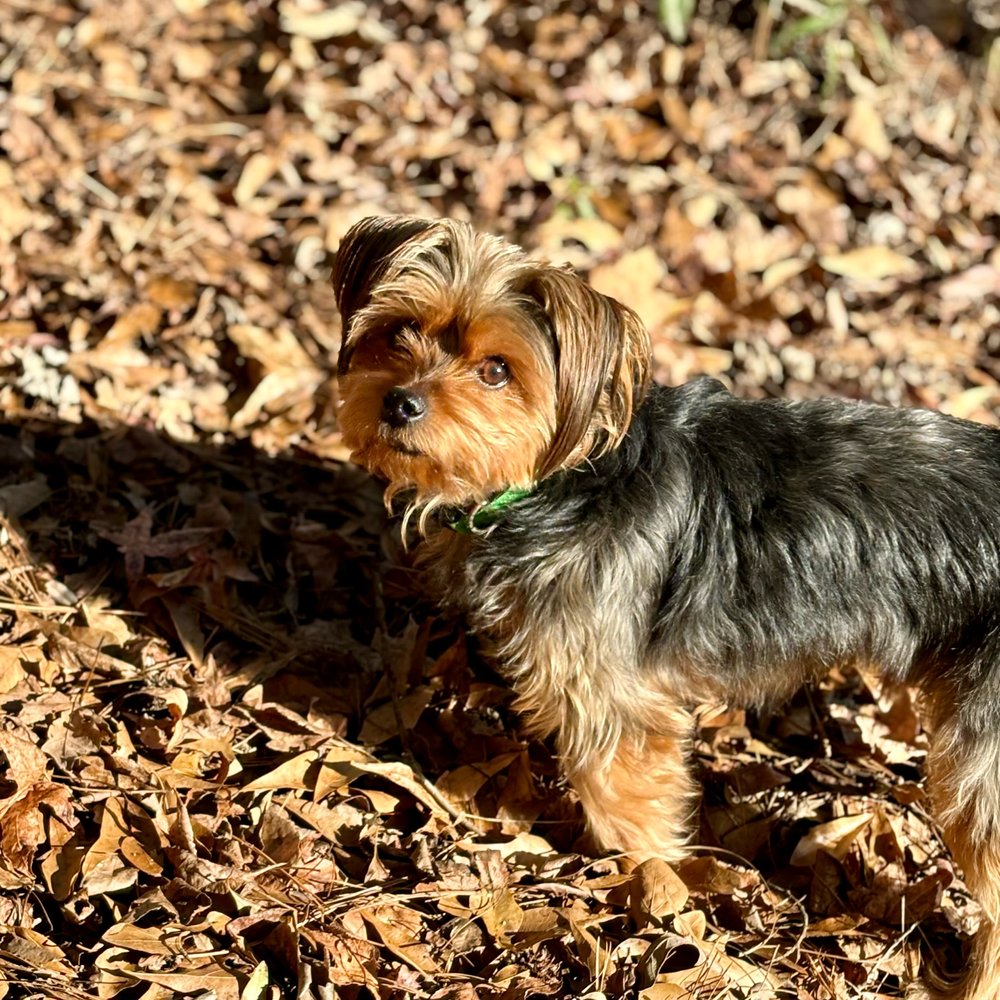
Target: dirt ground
[[245, 758]]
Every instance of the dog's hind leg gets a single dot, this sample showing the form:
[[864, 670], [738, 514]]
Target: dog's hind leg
[[963, 769]]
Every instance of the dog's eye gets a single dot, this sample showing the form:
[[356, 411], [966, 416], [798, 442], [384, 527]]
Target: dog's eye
[[493, 372]]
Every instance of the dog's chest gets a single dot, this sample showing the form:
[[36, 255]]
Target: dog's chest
[[545, 607]]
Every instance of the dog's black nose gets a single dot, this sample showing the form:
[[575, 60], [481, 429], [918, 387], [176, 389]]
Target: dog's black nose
[[402, 406]]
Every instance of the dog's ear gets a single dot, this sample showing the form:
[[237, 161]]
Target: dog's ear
[[361, 260], [603, 365]]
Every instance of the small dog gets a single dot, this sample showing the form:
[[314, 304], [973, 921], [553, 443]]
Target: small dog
[[631, 551]]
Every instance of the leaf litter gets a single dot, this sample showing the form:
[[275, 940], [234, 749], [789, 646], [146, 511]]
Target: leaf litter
[[243, 756]]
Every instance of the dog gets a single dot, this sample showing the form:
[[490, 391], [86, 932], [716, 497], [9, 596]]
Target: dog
[[629, 551]]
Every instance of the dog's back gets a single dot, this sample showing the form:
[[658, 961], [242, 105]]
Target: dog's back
[[827, 531]]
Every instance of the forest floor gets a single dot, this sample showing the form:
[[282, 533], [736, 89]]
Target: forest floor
[[245, 758]]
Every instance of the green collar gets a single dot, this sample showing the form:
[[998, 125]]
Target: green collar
[[486, 514]]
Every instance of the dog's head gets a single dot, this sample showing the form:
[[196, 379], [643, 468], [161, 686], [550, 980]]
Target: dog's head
[[467, 368]]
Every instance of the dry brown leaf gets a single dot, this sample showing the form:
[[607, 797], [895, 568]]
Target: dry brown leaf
[[402, 775], [399, 929], [598, 236], [26, 765], [401, 715], [635, 278], [256, 172], [864, 127], [869, 264], [148, 940], [656, 891], [104, 868], [221, 983], [835, 838], [297, 772], [33, 949], [665, 991], [352, 959], [12, 672], [461, 785], [500, 913], [968, 403]]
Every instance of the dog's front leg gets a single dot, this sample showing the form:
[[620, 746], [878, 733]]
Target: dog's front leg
[[639, 796]]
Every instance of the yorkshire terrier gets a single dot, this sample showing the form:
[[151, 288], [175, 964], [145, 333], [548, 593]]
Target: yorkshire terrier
[[630, 551]]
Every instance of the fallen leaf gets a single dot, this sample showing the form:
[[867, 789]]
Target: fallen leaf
[[869, 264], [834, 838]]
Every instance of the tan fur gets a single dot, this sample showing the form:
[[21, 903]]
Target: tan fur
[[644, 797], [963, 775], [483, 440]]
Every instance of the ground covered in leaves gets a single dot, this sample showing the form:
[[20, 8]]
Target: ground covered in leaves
[[243, 758]]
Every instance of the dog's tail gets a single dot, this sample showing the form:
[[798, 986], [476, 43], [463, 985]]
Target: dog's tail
[[963, 768]]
